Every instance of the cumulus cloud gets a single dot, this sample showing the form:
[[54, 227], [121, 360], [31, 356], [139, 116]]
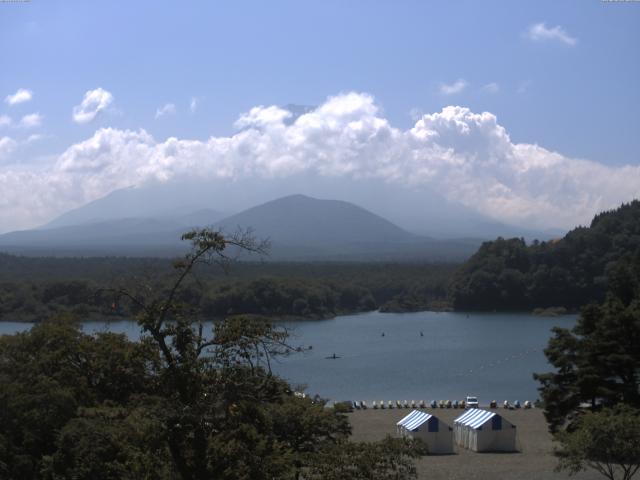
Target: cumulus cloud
[[465, 156], [94, 102], [21, 96], [5, 121], [166, 109], [31, 120], [539, 32], [453, 88]]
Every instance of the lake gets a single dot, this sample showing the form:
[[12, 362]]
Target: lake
[[491, 355]]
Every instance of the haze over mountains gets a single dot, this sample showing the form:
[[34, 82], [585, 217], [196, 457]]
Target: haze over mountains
[[149, 222]]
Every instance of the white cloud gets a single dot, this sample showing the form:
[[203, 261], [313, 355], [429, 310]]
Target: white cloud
[[492, 87], [539, 32], [35, 137], [5, 121], [21, 96], [465, 156], [7, 146], [193, 104], [167, 109], [31, 120], [416, 114], [453, 88], [94, 102]]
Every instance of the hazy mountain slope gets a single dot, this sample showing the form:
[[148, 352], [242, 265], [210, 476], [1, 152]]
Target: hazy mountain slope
[[423, 213], [301, 220], [299, 228], [176, 203]]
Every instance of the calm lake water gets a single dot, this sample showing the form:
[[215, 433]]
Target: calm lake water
[[492, 356]]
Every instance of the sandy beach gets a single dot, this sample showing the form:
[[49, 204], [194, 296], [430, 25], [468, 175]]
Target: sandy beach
[[534, 460]]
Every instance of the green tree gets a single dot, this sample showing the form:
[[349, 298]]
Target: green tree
[[606, 441], [177, 404], [598, 361]]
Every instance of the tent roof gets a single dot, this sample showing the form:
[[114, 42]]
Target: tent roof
[[414, 420], [475, 418]]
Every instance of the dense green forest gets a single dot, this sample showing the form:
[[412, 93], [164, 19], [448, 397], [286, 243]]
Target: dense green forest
[[569, 272], [34, 288]]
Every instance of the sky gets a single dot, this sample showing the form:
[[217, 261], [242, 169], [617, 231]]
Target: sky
[[524, 111]]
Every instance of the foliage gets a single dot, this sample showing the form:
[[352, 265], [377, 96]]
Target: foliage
[[507, 274], [388, 459], [606, 441], [177, 404], [598, 361], [34, 288]]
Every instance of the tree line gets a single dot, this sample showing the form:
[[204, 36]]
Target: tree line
[[296, 290], [508, 274]]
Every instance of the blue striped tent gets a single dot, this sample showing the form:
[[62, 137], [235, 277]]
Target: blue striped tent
[[436, 434], [484, 431]]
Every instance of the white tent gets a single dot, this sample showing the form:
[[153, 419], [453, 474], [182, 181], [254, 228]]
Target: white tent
[[483, 431], [436, 434]]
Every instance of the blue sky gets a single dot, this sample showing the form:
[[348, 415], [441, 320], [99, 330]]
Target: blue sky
[[571, 88]]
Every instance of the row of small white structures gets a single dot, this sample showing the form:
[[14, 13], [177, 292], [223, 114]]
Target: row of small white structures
[[477, 430]]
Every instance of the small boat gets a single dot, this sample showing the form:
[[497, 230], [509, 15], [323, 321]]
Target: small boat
[[332, 357]]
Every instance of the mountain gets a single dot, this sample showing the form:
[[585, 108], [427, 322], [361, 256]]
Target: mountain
[[421, 212], [172, 203], [299, 228], [302, 220]]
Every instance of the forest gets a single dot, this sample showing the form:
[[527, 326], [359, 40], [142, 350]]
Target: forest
[[32, 288], [508, 274]]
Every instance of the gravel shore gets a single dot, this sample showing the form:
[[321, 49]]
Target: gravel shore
[[534, 460]]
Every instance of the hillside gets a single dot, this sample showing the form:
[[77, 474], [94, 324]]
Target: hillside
[[569, 272], [302, 220], [299, 228]]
